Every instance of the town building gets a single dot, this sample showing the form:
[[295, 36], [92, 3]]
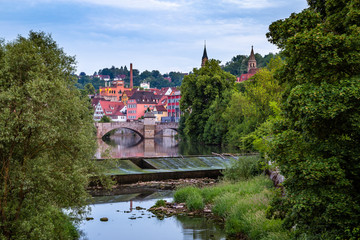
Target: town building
[[126, 95], [114, 92], [173, 107], [140, 102], [116, 111], [144, 85], [252, 69], [159, 112]]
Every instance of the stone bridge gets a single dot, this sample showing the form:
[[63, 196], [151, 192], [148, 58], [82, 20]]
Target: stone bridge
[[144, 129]]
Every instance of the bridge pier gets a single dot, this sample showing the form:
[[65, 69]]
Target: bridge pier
[[149, 125]]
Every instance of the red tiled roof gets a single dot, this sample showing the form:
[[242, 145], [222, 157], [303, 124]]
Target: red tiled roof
[[112, 108], [96, 100], [129, 93], [160, 108], [145, 97]]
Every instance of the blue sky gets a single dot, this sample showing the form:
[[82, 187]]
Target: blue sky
[[166, 35]]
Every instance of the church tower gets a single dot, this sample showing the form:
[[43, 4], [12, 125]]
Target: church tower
[[252, 62], [204, 57]]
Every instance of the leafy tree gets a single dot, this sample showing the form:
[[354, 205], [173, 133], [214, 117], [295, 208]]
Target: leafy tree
[[105, 119], [316, 145], [46, 140], [199, 90], [176, 78], [250, 107], [238, 64], [215, 129], [89, 88]]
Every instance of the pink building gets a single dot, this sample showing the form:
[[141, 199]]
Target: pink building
[[139, 102], [173, 106]]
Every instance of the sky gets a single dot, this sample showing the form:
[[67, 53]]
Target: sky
[[164, 35]]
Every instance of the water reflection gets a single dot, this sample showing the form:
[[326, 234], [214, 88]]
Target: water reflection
[[124, 143]]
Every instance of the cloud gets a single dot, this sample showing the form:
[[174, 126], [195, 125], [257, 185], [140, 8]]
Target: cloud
[[250, 4], [135, 4]]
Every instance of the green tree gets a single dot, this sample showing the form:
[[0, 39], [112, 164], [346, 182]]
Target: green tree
[[89, 88], [237, 65], [105, 119], [249, 108], [198, 91], [46, 140], [316, 145]]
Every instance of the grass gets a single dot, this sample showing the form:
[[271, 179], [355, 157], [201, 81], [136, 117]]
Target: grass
[[160, 203], [241, 199]]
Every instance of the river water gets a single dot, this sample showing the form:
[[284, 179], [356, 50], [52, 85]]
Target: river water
[[125, 221], [129, 219], [123, 144]]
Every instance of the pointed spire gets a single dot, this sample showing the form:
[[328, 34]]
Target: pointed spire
[[205, 53], [204, 57], [252, 62], [252, 55]]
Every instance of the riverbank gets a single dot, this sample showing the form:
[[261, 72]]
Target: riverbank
[[170, 184], [239, 206]]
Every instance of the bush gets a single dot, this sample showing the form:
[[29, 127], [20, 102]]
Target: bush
[[244, 168], [105, 119], [182, 194], [160, 203], [195, 201]]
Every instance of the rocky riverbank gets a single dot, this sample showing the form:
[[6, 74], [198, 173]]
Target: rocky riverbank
[[168, 209], [151, 186]]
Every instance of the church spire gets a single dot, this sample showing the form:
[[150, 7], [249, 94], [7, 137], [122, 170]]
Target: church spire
[[252, 55], [252, 62], [204, 57]]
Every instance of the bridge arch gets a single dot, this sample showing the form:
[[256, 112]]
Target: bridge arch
[[103, 128], [135, 131], [136, 126]]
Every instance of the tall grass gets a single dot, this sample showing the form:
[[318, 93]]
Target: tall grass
[[242, 204]]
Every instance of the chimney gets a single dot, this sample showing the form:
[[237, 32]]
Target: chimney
[[131, 76]]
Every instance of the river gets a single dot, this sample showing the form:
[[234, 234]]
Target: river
[[129, 219], [124, 143], [125, 221]]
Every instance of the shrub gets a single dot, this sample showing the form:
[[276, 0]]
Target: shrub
[[195, 201], [182, 194], [244, 168], [160, 203]]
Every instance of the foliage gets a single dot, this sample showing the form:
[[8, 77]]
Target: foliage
[[248, 109], [242, 205], [160, 203], [105, 119], [199, 90], [195, 202], [243, 168], [89, 88], [182, 194], [238, 64], [316, 139], [46, 140]]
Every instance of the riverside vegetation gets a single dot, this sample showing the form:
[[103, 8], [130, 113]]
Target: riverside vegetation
[[46, 141], [301, 113], [240, 201]]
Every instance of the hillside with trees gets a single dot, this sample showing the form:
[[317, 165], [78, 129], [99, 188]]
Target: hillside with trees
[[154, 77], [236, 66]]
